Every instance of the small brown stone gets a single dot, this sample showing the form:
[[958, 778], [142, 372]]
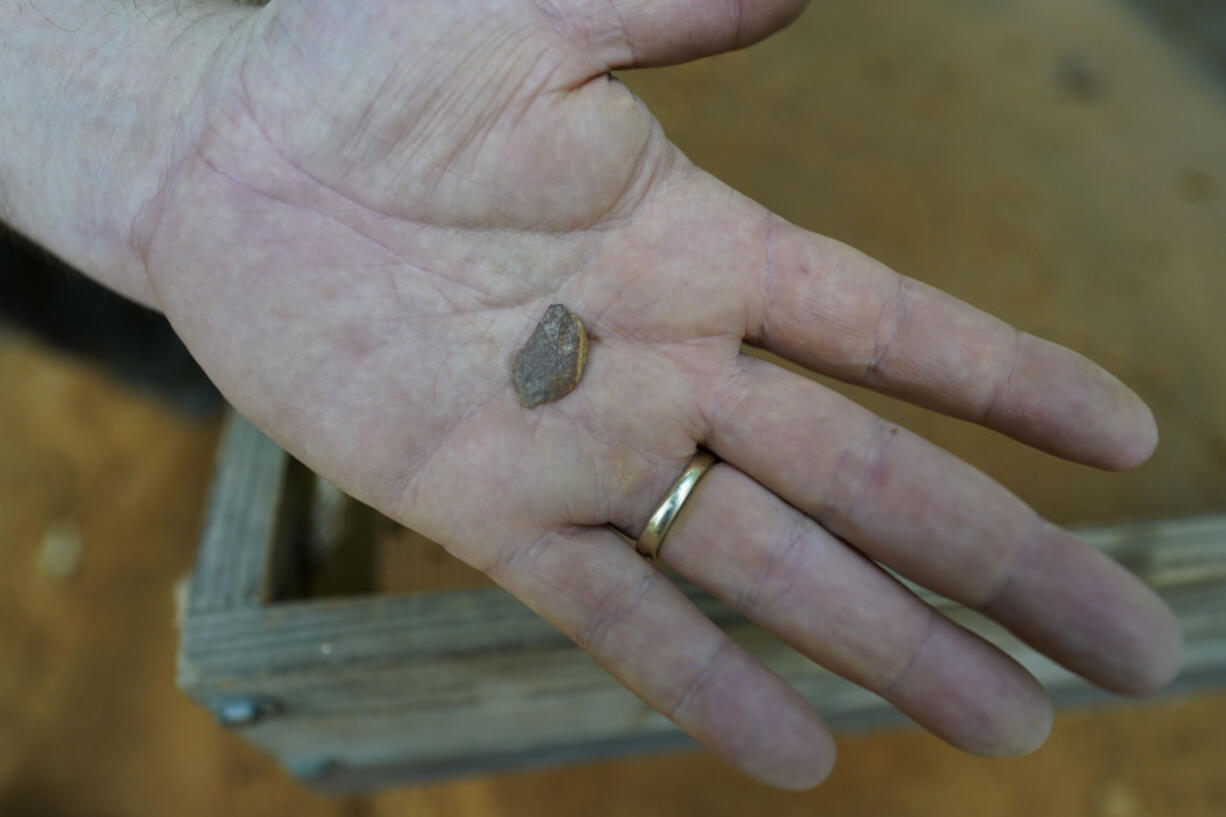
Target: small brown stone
[[549, 366]]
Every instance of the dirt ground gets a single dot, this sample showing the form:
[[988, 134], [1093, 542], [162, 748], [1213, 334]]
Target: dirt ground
[[1059, 164]]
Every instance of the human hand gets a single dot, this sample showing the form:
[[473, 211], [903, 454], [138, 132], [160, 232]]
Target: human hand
[[370, 208]]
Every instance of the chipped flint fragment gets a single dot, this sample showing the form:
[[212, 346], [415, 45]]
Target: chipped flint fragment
[[549, 366]]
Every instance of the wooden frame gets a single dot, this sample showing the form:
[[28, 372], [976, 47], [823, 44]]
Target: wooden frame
[[355, 692]]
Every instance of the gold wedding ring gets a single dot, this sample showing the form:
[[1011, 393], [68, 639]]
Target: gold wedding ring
[[652, 537]]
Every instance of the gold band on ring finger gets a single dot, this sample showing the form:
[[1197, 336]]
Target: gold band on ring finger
[[652, 538]]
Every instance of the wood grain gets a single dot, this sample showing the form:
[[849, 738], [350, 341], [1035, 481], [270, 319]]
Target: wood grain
[[370, 691], [244, 504]]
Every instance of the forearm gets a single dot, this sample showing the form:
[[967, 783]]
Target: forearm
[[91, 110]]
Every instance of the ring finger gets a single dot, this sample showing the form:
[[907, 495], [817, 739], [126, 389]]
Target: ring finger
[[785, 572]]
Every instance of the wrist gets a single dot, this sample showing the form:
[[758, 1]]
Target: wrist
[[90, 132]]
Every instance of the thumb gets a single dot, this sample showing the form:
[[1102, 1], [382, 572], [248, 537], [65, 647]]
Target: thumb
[[643, 33]]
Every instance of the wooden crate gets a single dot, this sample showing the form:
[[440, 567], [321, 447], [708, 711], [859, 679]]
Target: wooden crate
[[357, 691]]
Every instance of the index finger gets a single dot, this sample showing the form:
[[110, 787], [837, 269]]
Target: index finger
[[836, 311]]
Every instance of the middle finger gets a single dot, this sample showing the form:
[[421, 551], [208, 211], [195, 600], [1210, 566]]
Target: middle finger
[[942, 523]]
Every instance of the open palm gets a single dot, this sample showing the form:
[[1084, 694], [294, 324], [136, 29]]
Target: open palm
[[373, 204]]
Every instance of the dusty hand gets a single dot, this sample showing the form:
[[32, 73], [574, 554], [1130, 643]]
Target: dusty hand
[[371, 206]]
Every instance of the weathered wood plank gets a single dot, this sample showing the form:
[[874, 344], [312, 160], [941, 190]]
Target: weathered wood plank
[[459, 709], [459, 681], [425, 626], [236, 548]]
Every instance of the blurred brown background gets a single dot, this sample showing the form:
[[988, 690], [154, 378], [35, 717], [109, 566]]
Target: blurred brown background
[[1060, 164]]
